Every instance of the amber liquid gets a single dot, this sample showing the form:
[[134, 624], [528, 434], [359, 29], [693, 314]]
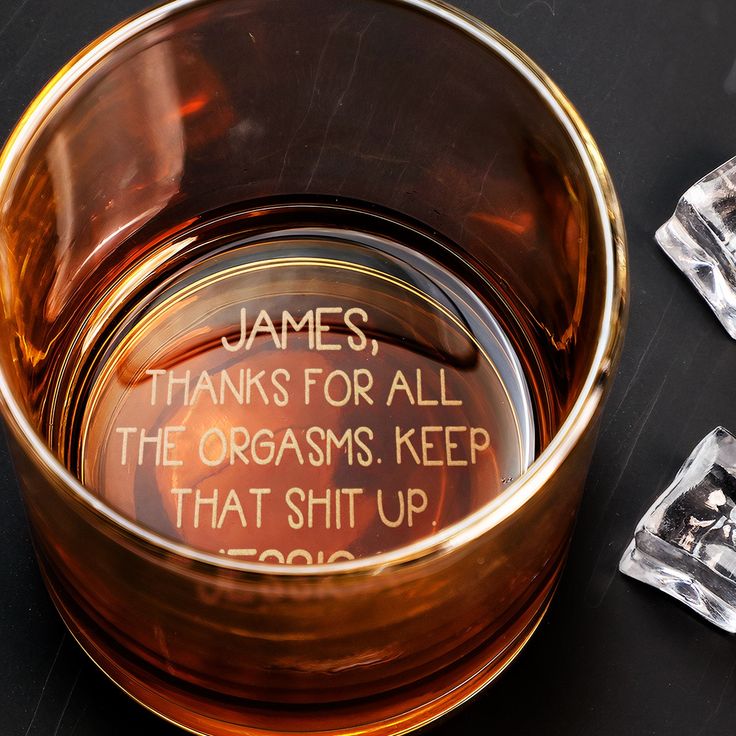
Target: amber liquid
[[295, 385], [301, 378]]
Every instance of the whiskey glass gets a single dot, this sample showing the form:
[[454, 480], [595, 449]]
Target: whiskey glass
[[403, 114]]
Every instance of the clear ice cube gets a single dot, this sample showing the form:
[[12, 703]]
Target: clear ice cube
[[700, 238], [685, 544]]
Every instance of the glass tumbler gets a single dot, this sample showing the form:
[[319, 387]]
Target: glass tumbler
[[208, 159]]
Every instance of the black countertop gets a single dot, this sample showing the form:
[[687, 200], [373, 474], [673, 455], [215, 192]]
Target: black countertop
[[656, 82]]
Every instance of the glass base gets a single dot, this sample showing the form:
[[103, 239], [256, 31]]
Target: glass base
[[394, 714]]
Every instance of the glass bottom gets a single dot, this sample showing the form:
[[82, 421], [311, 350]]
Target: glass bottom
[[393, 714], [296, 384]]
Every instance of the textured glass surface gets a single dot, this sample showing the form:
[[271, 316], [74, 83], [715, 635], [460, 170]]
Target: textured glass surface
[[700, 238], [685, 544]]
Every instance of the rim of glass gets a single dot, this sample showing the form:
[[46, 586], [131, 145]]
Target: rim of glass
[[543, 467]]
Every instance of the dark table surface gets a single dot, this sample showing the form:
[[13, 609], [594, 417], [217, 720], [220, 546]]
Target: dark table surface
[[656, 82]]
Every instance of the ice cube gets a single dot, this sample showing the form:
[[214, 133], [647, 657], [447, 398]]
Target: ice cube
[[700, 238], [685, 544]]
